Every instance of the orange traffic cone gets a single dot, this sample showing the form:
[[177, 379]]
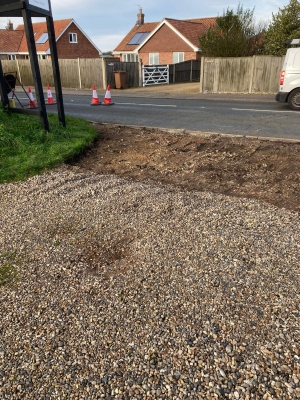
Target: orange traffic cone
[[95, 101], [32, 103], [107, 98], [50, 100]]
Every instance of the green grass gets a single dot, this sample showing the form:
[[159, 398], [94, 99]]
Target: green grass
[[8, 272], [26, 149]]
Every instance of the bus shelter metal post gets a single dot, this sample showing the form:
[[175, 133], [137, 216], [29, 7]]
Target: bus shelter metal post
[[55, 68], [36, 69], [3, 92]]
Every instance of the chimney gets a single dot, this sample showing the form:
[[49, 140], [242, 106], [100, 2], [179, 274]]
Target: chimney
[[9, 26], [140, 16]]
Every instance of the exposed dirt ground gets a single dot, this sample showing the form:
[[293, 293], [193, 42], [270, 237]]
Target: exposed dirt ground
[[235, 166]]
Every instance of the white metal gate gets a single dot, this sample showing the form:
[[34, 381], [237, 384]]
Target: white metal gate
[[155, 74]]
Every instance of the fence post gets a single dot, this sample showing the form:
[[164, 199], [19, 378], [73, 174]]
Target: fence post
[[191, 73], [18, 68], [251, 75], [202, 61], [79, 73], [140, 72], [104, 73]]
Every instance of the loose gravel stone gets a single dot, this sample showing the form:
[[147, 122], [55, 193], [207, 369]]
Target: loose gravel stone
[[124, 290]]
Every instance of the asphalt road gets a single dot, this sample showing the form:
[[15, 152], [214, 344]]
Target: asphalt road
[[255, 118]]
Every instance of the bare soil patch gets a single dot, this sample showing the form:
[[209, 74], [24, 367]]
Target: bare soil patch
[[235, 166]]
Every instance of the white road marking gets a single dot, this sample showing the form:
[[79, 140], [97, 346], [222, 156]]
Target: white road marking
[[272, 111], [153, 105]]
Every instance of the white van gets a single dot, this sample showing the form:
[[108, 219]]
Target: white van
[[289, 83]]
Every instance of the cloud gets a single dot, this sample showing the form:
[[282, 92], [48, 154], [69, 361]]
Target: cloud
[[106, 42]]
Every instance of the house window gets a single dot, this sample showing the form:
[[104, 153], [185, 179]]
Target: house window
[[153, 58], [42, 56], [178, 57], [12, 57], [129, 57], [73, 37]]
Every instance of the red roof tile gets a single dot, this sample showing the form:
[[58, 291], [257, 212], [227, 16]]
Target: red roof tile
[[207, 22], [39, 28], [146, 27], [10, 40], [190, 30]]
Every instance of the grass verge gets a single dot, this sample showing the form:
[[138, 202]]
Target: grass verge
[[26, 149]]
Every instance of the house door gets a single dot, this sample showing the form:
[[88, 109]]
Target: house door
[[155, 74]]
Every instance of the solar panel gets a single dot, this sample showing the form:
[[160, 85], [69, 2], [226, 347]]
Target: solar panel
[[42, 39], [138, 38]]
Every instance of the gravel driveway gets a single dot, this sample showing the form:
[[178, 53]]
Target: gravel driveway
[[125, 290]]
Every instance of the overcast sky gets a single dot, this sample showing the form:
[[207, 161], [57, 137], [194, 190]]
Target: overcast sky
[[106, 22]]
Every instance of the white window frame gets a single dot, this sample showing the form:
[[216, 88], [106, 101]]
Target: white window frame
[[178, 56], [73, 37], [130, 57], [12, 57], [153, 58]]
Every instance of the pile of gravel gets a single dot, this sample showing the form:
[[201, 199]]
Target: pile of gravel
[[123, 290]]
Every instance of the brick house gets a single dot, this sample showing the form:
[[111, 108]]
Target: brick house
[[71, 41], [10, 42], [167, 42]]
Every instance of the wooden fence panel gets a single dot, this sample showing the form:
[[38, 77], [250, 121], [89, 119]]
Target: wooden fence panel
[[69, 73], [258, 74], [9, 66], [209, 72], [23, 68], [171, 73], [227, 75], [195, 70], [25, 73], [266, 74], [46, 72], [234, 73], [187, 71], [131, 69], [91, 73]]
